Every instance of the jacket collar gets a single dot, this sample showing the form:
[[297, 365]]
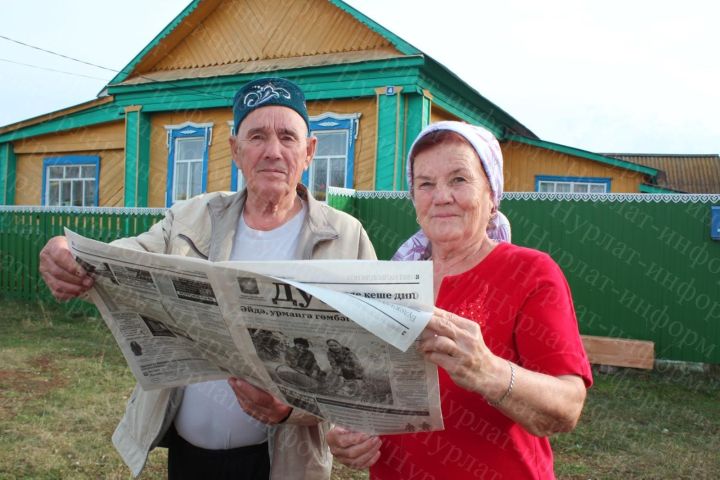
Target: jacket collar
[[225, 212]]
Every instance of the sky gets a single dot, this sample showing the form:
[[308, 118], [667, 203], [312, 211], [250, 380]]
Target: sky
[[622, 76]]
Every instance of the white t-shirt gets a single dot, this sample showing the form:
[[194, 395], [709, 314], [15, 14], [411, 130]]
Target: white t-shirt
[[210, 416]]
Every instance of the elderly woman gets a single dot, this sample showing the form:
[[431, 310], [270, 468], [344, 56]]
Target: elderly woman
[[512, 366]]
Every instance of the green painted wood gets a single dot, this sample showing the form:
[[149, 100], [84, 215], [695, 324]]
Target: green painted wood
[[418, 117], [320, 83], [24, 233], [313, 80], [137, 158], [465, 101], [645, 188], [389, 147], [7, 174], [95, 116], [345, 203], [470, 115]]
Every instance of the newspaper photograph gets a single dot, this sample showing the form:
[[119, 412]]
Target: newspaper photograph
[[332, 337], [329, 362]]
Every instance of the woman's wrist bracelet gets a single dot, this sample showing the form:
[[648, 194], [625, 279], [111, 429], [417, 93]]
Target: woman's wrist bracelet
[[509, 389]]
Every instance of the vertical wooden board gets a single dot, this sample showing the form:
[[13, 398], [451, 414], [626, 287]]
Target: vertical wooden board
[[26, 232], [6, 261], [29, 179], [132, 158], [7, 174], [387, 135], [219, 156], [112, 178]]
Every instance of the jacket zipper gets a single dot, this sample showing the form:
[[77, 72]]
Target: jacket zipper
[[192, 245]]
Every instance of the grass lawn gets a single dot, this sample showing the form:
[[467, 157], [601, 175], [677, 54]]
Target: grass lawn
[[64, 384]]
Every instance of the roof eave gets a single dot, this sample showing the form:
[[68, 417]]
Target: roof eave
[[616, 162], [647, 188], [399, 43], [128, 69], [80, 107], [512, 125]]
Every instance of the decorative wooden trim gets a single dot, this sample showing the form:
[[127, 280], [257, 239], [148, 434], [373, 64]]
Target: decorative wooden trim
[[72, 160], [56, 114], [7, 174], [137, 157], [576, 152], [62, 123]]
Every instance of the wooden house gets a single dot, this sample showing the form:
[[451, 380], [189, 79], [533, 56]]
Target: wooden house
[[158, 131], [681, 173]]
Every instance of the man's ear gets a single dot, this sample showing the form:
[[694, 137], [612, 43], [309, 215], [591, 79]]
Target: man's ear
[[311, 146], [233, 150]]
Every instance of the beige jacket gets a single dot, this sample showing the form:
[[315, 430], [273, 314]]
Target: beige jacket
[[204, 227]]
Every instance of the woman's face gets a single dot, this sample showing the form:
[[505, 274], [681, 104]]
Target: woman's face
[[453, 199]]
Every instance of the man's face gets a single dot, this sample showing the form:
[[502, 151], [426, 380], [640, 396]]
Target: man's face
[[272, 150]]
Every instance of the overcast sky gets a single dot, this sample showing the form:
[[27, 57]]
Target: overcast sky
[[611, 76]]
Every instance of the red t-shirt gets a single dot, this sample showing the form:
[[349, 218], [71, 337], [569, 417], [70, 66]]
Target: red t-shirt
[[523, 304]]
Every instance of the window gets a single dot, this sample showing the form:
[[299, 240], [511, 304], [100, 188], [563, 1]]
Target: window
[[548, 184], [334, 158], [188, 146], [71, 181]]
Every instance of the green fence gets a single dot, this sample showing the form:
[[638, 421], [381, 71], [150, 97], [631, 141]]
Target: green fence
[[640, 266], [25, 230]]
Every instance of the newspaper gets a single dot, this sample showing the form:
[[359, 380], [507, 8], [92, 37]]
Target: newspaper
[[332, 337]]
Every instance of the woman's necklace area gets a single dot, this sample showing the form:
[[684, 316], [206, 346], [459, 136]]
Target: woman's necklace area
[[464, 263]]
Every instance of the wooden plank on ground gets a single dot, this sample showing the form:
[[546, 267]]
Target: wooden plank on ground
[[619, 352]]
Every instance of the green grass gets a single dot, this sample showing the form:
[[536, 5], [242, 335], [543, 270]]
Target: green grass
[[64, 384]]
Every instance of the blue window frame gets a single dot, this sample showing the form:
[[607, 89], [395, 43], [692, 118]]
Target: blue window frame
[[552, 184], [334, 160], [237, 181], [71, 181], [188, 146]]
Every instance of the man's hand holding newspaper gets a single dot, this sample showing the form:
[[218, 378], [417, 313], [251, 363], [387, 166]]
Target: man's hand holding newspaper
[[332, 337]]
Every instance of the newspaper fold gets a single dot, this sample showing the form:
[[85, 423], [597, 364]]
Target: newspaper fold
[[333, 337]]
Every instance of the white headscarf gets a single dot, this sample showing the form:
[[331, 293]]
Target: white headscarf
[[488, 150]]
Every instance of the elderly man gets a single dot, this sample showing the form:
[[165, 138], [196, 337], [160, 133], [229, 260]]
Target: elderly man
[[230, 429]]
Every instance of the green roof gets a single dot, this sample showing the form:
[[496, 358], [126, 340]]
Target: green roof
[[646, 188]]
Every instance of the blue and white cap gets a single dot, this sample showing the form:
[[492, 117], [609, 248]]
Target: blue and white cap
[[265, 92]]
